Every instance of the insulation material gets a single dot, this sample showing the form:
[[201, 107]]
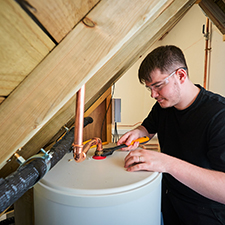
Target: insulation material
[[17, 183]]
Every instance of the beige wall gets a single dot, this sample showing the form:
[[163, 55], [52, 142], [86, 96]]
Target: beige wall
[[187, 34]]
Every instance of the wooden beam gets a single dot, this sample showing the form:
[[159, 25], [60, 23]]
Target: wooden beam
[[2, 99], [104, 53], [59, 17], [109, 118], [97, 102], [135, 47], [215, 13], [98, 127], [23, 46]]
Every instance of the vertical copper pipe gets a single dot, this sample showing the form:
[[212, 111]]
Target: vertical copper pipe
[[79, 123], [206, 51]]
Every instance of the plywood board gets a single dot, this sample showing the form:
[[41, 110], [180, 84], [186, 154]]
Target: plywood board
[[23, 46]]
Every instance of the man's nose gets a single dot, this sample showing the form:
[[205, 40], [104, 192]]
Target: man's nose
[[154, 93]]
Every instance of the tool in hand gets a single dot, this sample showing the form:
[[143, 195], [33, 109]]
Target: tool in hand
[[109, 151]]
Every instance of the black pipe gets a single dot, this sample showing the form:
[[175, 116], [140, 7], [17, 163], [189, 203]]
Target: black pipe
[[19, 182]]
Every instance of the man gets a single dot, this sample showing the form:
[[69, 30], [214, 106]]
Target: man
[[190, 124]]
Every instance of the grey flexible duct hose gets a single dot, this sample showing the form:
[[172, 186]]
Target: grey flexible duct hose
[[19, 182]]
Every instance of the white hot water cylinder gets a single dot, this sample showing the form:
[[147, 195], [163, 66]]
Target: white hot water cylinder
[[97, 192]]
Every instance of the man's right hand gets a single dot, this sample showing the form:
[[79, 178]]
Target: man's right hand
[[132, 135]]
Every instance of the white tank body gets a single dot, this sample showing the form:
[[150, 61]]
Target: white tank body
[[97, 192]]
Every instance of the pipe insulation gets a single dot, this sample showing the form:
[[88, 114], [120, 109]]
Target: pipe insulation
[[26, 176]]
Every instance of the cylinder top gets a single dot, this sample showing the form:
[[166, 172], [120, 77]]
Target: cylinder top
[[94, 177]]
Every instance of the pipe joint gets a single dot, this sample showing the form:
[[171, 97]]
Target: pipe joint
[[80, 151]]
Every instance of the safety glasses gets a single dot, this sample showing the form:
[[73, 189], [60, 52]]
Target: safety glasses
[[159, 85]]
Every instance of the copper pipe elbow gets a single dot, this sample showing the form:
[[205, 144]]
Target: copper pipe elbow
[[81, 151], [78, 153], [94, 141]]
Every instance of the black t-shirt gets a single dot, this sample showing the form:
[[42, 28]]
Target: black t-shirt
[[195, 134]]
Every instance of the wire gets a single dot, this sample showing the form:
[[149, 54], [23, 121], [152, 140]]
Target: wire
[[115, 135]]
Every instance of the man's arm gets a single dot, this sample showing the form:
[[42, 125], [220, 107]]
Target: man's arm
[[208, 183]]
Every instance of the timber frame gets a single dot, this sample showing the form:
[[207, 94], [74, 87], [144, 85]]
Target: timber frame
[[96, 49]]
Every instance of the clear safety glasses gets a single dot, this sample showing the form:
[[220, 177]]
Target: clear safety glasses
[[159, 85]]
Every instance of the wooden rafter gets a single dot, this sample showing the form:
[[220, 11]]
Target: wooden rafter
[[23, 46], [57, 17]]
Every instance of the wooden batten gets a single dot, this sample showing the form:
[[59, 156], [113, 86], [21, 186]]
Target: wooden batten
[[109, 118], [57, 17], [23, 46], [97, 56], [2, 99], [97, 102]]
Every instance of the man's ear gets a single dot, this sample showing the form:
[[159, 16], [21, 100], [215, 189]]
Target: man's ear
[[182, 75]]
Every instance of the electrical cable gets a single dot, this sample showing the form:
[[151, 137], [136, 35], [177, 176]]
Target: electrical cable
[[115, 135]]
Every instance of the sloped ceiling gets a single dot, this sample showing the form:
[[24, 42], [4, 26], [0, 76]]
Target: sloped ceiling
[[46, 57]]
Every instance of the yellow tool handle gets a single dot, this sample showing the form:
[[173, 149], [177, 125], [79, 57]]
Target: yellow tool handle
[[141, 140], [94, 146]]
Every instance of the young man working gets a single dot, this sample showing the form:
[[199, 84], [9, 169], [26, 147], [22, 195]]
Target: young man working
[[190, 124]]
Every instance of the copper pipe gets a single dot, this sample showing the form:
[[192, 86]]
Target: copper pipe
[[206, 52], [93, 141], [78, 154]]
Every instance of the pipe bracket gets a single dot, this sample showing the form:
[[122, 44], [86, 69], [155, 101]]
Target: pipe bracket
[[43, 155]]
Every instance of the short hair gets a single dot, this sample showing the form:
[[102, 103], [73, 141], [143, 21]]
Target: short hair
[[165, 58]]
